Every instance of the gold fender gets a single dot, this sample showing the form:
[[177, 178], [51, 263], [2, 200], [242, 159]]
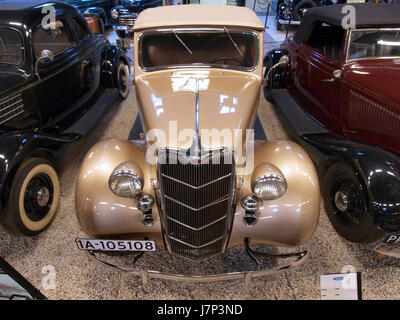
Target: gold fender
[[292, 219], [100, 212]]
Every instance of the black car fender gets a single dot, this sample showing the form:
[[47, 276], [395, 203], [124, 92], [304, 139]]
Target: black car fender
[[110, 57], [378, 171], [276, 76], [17, 146]]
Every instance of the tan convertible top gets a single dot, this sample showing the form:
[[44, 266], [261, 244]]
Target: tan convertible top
[[198, 15]]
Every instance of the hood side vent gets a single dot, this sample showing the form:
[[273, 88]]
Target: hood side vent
[[367, 114], [11, 108]]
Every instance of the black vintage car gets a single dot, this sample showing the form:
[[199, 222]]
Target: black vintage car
[[126, 14], [102, 8], [292, 11], [49, 70]]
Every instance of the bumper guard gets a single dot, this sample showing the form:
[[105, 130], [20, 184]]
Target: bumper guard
[[244, 275]]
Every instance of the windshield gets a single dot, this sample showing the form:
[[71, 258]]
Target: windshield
[[221, 48], [11, 47], [367, 44]]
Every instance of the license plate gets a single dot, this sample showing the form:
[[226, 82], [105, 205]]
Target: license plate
[[392, 239], [386, 246], [115, 245]]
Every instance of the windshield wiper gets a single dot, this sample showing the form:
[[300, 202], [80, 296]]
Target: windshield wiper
[[180, 40], [233, 42], [2, 43]]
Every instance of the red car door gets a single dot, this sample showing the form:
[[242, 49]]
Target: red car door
[[318, 75]]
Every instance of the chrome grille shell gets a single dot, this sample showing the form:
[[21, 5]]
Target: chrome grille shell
[[196, 202]]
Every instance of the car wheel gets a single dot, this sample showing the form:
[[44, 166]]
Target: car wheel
[[301, 8], [33, 198], [279, 26], [267, 64], [123, 80], [346, 205]]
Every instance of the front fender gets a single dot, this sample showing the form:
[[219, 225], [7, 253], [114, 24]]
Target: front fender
[[378, 171], [17, 146], [100, 212], [110, 57], [277, 77], [290, 220]]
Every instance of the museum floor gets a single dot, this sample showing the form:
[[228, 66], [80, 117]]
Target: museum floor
[[78, 277]]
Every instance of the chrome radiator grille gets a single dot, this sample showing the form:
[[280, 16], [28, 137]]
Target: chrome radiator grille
[[127, 20], [196, 202]]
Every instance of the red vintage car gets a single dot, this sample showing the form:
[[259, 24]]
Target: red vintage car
[[339, 89]]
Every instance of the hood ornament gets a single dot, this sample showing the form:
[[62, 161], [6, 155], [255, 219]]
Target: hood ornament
[[195, 149]]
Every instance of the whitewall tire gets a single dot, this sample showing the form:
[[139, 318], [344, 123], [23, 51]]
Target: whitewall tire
[[33, 198]]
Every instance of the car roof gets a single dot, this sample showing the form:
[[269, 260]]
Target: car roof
[[21, 4], [24, 9], [368, 15], [198, 15]]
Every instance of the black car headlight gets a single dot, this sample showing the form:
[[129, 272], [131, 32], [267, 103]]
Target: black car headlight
[[114, 13], [126, 180]]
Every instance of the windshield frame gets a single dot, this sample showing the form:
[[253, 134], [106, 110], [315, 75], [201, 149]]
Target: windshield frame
[[23, 46], [199, 65], [368, 58]]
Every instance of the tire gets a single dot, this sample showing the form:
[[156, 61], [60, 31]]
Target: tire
[[279, 27], [346, 205], [25, 215], [123, 80], [267, 64], [303, 4]]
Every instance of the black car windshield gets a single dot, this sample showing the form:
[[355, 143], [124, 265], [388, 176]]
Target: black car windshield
[[215, 48], [367, 44], [11, 46]]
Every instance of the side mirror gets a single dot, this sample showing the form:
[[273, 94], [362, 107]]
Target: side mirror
[[46, 55], [337, 74]]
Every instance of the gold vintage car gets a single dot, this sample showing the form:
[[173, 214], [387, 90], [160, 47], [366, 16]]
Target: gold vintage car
[[197, 183]]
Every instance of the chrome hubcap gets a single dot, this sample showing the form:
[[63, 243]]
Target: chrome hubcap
[[43, 197], [341, 201]]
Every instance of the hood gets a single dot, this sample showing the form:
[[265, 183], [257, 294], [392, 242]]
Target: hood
[[227, 101], [132, 5], [380, 77], [10, 80]]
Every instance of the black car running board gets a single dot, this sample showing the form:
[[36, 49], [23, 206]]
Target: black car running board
[[297, 119]]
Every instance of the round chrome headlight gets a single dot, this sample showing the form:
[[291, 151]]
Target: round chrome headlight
[[126, 180], [114, 14], [268, 182], [269, 187]]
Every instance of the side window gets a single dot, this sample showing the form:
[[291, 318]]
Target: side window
[[55, 38], [11, 47], [81, 29], [327, 39]]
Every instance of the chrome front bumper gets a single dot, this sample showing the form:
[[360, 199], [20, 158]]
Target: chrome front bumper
[[244, 275], [291, 22]]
